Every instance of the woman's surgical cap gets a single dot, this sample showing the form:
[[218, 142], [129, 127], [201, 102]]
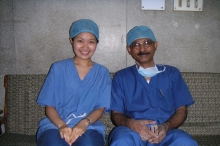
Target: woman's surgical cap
[[84, 25]]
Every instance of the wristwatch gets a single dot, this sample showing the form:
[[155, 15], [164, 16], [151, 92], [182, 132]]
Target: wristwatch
[[88, 120]]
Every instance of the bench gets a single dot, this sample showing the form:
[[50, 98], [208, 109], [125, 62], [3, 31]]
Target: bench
[[22, 114]]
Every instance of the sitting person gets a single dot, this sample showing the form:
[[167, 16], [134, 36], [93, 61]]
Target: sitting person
[[149, 101], [75, 93]]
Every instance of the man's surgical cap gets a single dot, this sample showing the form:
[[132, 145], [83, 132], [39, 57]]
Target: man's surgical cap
[[139, 32]]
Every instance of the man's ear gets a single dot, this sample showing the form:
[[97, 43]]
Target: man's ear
[[129, 49]]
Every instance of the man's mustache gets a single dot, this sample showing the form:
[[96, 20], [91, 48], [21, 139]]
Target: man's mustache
[[143, 53]]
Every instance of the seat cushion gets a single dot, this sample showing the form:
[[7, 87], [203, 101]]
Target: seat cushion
[[207, 140], [10, 139]]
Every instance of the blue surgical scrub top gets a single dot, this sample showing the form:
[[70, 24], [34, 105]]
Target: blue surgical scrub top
[[72, 97], [157, 100]]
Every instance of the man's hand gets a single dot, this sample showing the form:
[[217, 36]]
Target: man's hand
[[176, 120], [161, 132], [140, 126]]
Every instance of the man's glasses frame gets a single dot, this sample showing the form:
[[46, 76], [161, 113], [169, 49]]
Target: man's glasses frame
[[137, 45]]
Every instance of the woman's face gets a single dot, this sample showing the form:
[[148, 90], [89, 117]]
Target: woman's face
[[84, 45]]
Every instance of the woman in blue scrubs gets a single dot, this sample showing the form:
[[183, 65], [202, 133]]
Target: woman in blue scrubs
[[75, 94]]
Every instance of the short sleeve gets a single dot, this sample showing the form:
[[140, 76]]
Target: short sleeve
[[105, 92], [117, 94], [46, 95], [181, 91]]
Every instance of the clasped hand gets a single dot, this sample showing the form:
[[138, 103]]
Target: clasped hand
[[71, 134], [154, 137]]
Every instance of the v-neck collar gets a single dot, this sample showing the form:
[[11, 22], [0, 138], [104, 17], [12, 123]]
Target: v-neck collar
[[76, 74], [141, 78]]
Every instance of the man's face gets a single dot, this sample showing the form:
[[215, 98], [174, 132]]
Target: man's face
[[142, 51]]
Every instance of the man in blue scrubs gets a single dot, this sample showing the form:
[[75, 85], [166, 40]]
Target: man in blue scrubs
[[149, 101]]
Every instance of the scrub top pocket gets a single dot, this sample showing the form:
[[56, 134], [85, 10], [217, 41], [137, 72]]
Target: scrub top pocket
[[165, 99]]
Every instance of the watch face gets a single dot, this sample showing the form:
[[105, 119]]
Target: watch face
[[88, 120]]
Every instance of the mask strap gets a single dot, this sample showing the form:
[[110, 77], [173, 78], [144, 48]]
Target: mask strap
[[164, 68], [138, 65]]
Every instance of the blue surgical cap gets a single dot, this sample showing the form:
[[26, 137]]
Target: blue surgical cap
[[84, 25], [139, 32]]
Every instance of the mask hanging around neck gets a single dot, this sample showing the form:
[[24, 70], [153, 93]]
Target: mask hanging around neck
[[150, 71]]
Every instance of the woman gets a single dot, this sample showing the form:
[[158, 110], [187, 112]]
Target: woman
[[75, 93]]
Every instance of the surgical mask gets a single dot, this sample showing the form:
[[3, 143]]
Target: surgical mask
[[150, 71]]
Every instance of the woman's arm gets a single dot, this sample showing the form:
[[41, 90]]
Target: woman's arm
[[94, 116], [64, 130], [54, 117], [80, 128]]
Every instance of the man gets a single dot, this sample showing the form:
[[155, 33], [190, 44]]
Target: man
[[149, 101]]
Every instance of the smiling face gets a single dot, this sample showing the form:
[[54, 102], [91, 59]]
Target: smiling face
[[84, 45], [142, 51]]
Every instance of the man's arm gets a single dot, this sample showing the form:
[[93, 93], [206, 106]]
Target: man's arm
[[119, 119], [139, 126], [177, 119]]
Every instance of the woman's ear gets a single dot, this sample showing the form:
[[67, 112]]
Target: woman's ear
[[71, 40], [155, 45]]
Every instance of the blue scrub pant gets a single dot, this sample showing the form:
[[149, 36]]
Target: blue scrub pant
[[89, 138], [123, 136]]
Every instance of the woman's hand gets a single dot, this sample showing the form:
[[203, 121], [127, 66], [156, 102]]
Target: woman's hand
[[65, 132], [78, 130]]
